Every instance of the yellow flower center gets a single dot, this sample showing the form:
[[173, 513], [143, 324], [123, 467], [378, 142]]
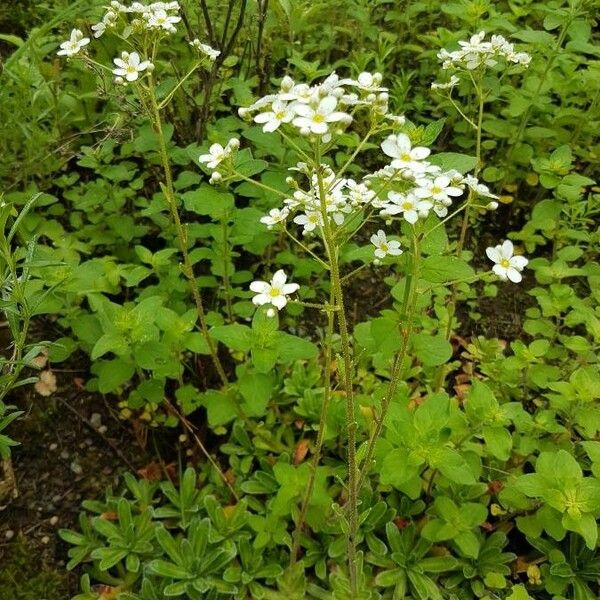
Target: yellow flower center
[[405, 157], [436, 190], [318, 118], [505, 263], [407, 205], [279, 115], [384, 247], [274, 292]]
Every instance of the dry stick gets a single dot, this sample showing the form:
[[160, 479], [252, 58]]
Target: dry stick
[[191, 430], [320, 436], [187, 267]]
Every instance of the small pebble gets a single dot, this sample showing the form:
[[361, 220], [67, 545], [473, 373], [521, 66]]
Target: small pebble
[[9, 534], [45, 539], [96, 420], [102, 429], [76, 468], [64, 455], [53, 446], [183, 438], [56, 498], [54, 520]]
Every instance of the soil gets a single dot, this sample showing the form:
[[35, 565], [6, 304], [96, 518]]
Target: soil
[[73, 447]]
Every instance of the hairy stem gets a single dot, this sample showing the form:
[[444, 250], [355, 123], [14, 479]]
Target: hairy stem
[[187, 267], [327, 356], [336, 284]]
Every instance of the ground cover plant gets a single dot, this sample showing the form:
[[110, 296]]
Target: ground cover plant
[[330, 271]]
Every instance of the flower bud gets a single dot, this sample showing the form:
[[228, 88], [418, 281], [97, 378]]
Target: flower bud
[[492, 206]]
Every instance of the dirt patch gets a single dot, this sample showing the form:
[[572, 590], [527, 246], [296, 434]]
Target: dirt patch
[[72, 447]]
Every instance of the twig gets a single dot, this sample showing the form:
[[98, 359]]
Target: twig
[[191, 430]]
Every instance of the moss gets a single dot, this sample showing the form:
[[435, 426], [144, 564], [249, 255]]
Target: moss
[[22, 577]]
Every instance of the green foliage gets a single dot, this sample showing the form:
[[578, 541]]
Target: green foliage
[[471, 449]]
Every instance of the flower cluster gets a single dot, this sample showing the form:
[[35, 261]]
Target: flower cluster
[[158, 16], [74, 44], [476, 53], [319, 110], [409, 187], [323, 202]]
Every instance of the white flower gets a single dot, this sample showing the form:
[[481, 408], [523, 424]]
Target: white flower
[[280, 113], [274, 293], [383, 247], [129, 66], [411, 207], [399, 148], [217, 153], [160, 19], [275, 216], [367, 82], [315, 119], [476, 53], [479, 188], [205, 49], [99, 29], [454, 80], [74, 44], [440, 189], [508, 266], [309, 221], [396, 119]]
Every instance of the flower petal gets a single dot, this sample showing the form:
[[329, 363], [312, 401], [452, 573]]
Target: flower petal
[[279, 279], [260, 287], [494, 254], [513, 275]]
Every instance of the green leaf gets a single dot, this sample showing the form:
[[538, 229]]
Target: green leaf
[[498, 441], [468, 543], [110, 342], [481, 403], [113, 374], [452, 465], [443, 269], [256, 389], [584, 524], [463, 163], [292, 347], [207, 200], [220, 407], [235, 336], [431, 350]]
